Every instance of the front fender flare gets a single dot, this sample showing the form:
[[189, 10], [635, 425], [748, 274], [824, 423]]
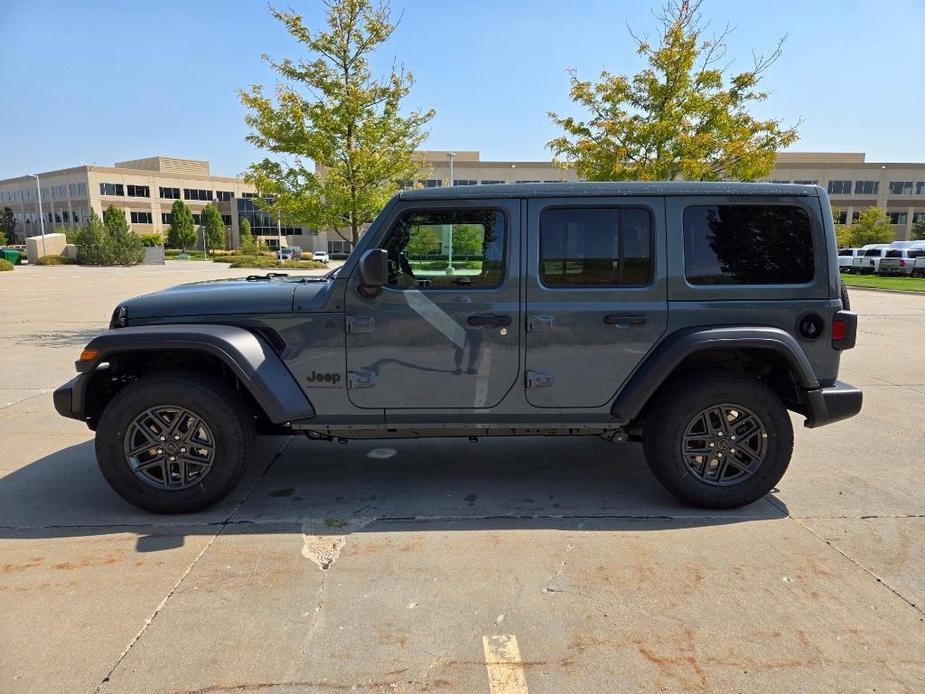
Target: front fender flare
[[671, 351], [249, 357]]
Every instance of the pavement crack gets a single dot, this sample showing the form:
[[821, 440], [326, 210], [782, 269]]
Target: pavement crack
[[179, 582], [558, 573], [863, 568]]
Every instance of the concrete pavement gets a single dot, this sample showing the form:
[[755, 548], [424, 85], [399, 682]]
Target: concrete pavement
[[400, 565]]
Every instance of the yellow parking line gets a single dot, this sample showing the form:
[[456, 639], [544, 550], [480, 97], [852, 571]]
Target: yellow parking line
[[504, 664]]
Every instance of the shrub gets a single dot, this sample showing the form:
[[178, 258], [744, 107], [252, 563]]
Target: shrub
[[260, 262], [5, 265], [55, 260], [94, 243], [152, 240]]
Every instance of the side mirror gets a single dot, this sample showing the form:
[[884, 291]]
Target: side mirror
[[374, 271]]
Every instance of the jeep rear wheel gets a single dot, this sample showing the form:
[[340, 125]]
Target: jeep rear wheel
[[717, 439], [174, 442]]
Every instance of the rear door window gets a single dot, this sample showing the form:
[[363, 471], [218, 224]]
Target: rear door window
[[748, 244]]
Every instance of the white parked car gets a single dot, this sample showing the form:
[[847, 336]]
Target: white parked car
[[846, 257], [918, 267], [868, 259], [321, 256]]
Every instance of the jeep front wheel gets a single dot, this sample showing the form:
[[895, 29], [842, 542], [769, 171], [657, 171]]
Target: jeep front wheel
[[717, 439], [174, 442]]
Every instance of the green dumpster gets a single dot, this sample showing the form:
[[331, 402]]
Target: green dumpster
[[11, 255]]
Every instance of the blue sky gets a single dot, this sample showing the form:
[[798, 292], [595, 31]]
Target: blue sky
[[98, 82]]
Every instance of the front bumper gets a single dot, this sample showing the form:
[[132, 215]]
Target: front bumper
[[832, 404], [69, 398]]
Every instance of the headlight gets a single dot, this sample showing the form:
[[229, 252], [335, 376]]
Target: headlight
[[119, 318]]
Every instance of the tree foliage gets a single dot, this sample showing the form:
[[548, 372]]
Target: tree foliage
[[423, 240], [247, 244], [214, 227], [918, 229], [682, 117], [94, 242], [333, 112], [872, 226], [468, 239], [7, 225], [127, 247], [182, 232]]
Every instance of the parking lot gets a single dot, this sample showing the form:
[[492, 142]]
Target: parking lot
[[540, 565]]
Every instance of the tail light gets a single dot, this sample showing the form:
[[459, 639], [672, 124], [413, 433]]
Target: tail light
[[902, 263], [844, 330]]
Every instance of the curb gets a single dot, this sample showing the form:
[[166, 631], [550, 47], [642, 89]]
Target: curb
[[852, 287]]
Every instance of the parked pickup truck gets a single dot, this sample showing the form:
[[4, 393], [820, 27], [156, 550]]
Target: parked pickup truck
[[690, 317]]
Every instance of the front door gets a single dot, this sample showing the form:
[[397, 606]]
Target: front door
[[596, 296], [445, 331]]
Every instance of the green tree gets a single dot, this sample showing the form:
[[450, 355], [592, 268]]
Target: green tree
[[468, 239], [333, 112], [127, 247], [182, 232], [424, 240], [682, 117], [7, 225], [918, 229], [214, 227], [247, 245], [873, 226], [94, 242]]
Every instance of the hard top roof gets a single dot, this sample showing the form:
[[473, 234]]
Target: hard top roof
[[605, 189]]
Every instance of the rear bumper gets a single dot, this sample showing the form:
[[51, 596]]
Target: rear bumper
[[826, 405], [69, 398]]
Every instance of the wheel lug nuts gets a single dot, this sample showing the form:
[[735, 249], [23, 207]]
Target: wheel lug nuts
[[732, 450], [733, 437], [712, 445], [163, 438], [172, 459], [160, 450], [719, 433], [176, 437], [183, 450], [718, 455]]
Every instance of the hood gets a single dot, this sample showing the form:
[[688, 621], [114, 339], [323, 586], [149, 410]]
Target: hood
[[221, 297]]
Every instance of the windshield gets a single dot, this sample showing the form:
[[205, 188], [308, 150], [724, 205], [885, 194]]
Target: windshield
[[877, 252], [894, 254]]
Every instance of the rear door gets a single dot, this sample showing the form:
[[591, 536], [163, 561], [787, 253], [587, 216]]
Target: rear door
[[596, 296]]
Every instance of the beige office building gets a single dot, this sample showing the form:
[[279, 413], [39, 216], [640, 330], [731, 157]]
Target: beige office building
[[145, 189]]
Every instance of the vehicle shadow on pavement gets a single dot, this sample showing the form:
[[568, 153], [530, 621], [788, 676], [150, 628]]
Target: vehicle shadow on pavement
[[76, 339], [297, 485]]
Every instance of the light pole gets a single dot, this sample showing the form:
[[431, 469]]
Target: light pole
[[449, 264], [38, 188], [451, 156]]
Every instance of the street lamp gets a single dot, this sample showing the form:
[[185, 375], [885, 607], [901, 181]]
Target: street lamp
[[41, 212], [449, 263]]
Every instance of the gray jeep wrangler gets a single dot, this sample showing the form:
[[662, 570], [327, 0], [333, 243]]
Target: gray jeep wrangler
[[690, 317]]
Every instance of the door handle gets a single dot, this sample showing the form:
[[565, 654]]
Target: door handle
[[623, 319], [488, 319]]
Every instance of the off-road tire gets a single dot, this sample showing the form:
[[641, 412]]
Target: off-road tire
[[669, 416], [227, 416], [845, 301]]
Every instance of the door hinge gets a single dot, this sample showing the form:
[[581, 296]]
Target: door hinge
[[538, 322], [361, 379], [360, 324], [539, 379]]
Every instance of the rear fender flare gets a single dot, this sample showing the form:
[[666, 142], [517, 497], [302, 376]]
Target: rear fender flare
[[662, 361]]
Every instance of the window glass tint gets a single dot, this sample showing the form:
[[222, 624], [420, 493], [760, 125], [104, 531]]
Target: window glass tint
[[894, 254], [747, 244], [602, 247], [873, 252], [915, 254], [441, 249], [846, 251]]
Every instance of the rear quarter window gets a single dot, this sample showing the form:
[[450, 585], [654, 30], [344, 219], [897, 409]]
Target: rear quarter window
[[748, 244]]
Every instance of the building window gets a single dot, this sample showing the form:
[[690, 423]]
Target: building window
[[920, 188], [170, 193], [855, 216], [807, 182], [898, 217], [900, 187], [918, 217], [432, 183], [747, 244], [841, 216], [599, 247], [226, 218], [866, 187], [464, 181], [490, 181], [111, 189], [140, 217], [224, 195], [249, 195], [527, 181], [780, 181], [839, 187], [165, 217], [197, 218], [138, 191], [197, 194]]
